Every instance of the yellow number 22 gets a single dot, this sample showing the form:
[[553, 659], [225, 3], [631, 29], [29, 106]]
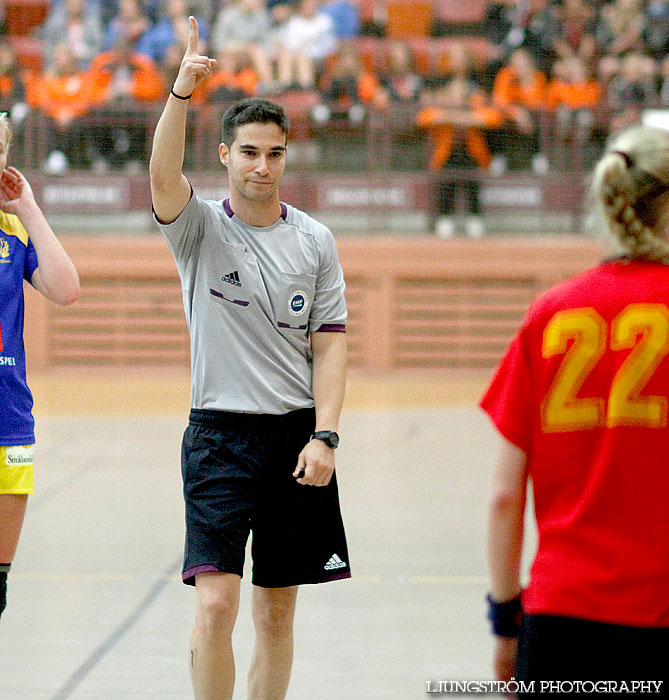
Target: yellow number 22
[[581, 335]]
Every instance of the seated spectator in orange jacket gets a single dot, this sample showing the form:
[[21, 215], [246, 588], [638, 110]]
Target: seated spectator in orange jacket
[[572, 87], [122, 74], [573, 95], [346, 88], [519, 92], [520, 89], [458, 112], [123, 80], [12, 88], [63, 94], [233, 79]]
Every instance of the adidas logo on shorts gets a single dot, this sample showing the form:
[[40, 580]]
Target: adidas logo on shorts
[[232, 278], [335, 563]]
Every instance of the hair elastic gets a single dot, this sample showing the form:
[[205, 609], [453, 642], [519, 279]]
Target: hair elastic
[[180, 97], [625, 157]]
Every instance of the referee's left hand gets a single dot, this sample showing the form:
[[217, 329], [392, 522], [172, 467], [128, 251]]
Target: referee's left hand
[[318, 462]]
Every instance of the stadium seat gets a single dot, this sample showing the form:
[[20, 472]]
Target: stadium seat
[[23, 16], [457, 12], [408, 18]]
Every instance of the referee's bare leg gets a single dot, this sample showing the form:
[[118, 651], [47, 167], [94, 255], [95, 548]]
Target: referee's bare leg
[[273, 614], [212, 665]]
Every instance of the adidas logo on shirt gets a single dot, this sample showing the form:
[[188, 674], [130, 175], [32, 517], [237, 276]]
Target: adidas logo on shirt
[[232, 278], [335, 563]]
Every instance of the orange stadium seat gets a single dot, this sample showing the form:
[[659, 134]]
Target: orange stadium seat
[[23, 16], [408, 18]]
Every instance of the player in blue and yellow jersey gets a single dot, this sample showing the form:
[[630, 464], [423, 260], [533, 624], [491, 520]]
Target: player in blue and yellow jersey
[[29, 250]]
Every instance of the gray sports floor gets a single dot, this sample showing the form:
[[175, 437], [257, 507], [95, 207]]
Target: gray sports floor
[[97, 610]]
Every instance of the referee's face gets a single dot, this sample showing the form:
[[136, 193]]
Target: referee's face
[[256, 161]]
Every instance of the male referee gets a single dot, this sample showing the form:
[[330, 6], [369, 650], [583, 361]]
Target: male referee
[[264, 299]]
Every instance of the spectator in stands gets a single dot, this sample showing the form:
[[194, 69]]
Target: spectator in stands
[[12, 91], [170, 31], [244, 25], [345, 17], [664, 82], [458, 112], [619, 28], [510, 24], [573, 96], [122, 81], [128, 24], [306, 41], [655, 32], [632, 90], [347, 89], [12, 88], [63, 93], [576, 30], [401, 82], [77, 24], [234, 78], [520, 94]]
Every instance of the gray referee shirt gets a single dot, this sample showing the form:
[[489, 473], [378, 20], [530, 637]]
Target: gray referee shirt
[[252, 296]]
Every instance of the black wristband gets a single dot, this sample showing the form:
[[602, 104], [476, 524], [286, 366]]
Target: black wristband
[[180, 97], [505, 617]]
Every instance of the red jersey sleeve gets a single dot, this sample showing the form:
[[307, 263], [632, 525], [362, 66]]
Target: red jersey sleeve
[[509, 399]]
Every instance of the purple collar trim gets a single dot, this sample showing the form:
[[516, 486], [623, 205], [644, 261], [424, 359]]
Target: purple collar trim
[[230, 213]]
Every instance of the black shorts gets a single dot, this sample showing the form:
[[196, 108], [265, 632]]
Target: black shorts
[[237, 471], [554, 648]]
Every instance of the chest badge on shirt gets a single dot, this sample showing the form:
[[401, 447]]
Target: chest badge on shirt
[[298, 303], [4, 251]]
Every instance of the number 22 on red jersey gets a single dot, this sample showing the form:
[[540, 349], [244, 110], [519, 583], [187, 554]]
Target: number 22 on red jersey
[[583, 336]]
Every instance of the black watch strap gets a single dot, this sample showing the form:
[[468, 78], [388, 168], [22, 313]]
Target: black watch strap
[[329, 437]]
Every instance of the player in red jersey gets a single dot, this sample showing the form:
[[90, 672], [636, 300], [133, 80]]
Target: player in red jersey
[[581, 402], [28, 250]]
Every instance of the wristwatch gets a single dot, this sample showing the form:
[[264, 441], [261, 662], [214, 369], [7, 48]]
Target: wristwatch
[[329, 437]]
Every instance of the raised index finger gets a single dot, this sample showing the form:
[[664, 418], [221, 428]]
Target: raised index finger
[[193, 35]]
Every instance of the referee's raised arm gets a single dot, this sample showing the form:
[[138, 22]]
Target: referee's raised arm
[[170, 190]]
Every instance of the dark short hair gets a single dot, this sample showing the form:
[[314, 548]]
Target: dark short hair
[[253, 110]]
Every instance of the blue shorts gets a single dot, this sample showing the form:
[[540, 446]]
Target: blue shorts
[[237, 472]]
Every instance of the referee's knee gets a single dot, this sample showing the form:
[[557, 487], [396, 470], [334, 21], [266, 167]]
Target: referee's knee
[[273, 616], [216, 609]]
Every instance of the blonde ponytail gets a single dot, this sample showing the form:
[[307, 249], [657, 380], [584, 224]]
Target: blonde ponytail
[[630, 187]]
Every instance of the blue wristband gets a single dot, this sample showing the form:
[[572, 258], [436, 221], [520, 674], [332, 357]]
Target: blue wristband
[[505, 617]]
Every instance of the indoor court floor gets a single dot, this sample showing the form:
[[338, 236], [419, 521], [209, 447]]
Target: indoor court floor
[[97, 610]]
